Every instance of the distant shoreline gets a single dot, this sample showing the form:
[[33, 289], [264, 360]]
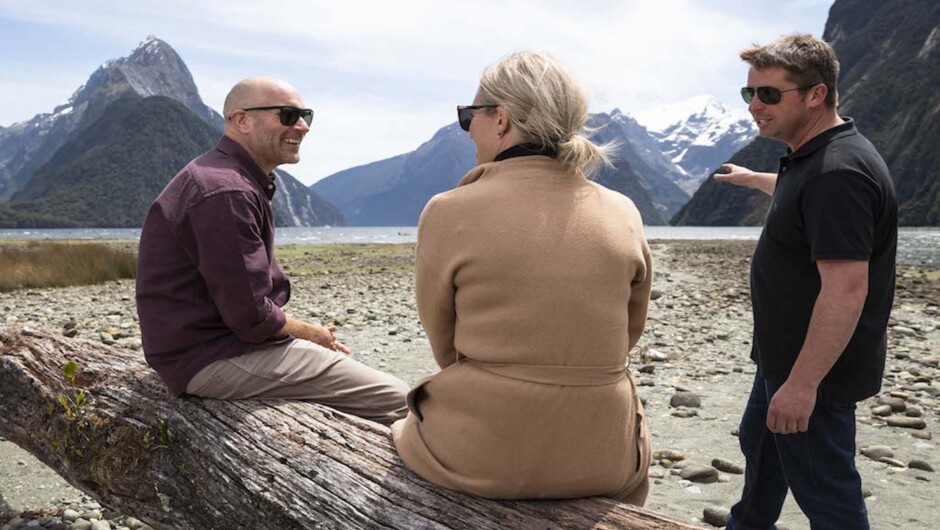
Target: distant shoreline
[[917, 246]]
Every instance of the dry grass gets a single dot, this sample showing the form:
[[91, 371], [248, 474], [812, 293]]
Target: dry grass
[[42, 264]]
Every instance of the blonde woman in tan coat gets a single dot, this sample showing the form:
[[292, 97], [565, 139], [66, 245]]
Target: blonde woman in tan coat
[[532, 284]]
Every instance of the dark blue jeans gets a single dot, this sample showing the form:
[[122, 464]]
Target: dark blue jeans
[[817, 465]]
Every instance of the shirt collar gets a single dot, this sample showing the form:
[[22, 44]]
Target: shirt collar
[[824, 138], [527, 149], [233, 149]]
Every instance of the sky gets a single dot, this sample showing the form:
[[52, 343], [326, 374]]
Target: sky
[[383, 77]]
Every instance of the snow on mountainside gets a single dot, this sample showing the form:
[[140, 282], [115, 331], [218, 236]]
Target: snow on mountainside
[[698, 134]]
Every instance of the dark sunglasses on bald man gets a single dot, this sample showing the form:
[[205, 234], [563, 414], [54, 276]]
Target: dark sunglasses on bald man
[[767, 94], [289, 114], [465, 114]]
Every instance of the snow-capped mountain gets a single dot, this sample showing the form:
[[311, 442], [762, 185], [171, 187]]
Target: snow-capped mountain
[[698, 135], [153, 69]]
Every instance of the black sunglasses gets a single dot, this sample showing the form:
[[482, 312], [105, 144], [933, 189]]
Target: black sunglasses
[[289, 114], [767, 94], [465, 114]]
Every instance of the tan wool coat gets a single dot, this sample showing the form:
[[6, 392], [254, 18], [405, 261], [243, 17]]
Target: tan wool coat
[[532, 284]]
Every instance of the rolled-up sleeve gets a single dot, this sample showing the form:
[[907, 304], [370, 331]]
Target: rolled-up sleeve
[[231, 256]]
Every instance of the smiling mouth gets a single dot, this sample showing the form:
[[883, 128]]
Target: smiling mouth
[[292, 141]]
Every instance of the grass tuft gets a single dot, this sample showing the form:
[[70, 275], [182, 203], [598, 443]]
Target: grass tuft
[[44, 264]]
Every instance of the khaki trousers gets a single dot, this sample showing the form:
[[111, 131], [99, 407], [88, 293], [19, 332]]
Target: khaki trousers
[[300, 369]]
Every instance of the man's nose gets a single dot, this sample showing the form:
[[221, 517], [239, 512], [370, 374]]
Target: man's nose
[[755, 104], [302, 125]]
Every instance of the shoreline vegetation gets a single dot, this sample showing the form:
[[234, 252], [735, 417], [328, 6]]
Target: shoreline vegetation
[[33, 264], [697, 340]]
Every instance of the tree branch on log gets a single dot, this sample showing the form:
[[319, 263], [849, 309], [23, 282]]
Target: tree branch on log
[[204, 463]]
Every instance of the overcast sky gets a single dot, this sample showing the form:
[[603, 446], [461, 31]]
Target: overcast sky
[[383, 76]]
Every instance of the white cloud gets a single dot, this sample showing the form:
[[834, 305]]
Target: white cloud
[[378, 73]]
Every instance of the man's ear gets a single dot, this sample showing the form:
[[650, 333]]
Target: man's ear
[[817, 95], [240, 122]]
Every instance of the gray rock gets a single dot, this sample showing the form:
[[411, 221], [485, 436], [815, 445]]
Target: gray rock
[[656, 294], [906, 422], [684, 413], [922, 435], [914, 412], [727, 466], [669, 454], [893, 462], [921, 465], [881, 410], [716, 516], [897, 404], [656, 473], [685, 399], [81, 524], [92, 514], [877, 452], [903, 330], [699, 473], [101, 525], [70, 515], [647, 369]]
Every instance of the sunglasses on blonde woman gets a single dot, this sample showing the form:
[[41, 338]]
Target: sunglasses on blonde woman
[[465, 114]]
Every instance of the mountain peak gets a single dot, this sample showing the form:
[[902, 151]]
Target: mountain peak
[[658, 119], [153, 68], [149, 49]]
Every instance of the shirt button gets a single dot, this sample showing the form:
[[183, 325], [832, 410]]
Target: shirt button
[[270, 186]]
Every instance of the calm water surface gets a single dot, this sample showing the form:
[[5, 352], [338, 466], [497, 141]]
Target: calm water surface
[[916, 246]]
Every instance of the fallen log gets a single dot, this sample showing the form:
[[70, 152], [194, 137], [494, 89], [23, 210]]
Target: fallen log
[[110, 429]]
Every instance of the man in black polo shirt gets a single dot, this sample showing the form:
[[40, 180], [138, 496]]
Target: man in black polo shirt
[[822, 285]]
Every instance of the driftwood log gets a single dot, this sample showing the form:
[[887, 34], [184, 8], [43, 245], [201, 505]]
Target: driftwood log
[[113, 431]]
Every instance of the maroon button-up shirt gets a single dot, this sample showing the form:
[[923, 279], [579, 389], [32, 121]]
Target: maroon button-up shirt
[[207, 282]]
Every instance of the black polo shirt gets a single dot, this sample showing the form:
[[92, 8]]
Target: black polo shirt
[[834, 200]]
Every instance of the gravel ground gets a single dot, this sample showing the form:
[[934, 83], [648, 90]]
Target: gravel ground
[[692, 364]]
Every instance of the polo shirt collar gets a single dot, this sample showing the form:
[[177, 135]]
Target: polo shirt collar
[[824, 138], [233, 149]]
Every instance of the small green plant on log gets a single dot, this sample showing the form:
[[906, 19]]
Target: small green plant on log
[[73, 402]]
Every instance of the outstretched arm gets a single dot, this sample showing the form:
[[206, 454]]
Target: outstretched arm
[[742, 176]]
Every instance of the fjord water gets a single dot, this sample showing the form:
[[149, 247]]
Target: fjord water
[[918, 246]]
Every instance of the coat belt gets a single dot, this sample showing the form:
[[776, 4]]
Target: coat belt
[[554, 374]]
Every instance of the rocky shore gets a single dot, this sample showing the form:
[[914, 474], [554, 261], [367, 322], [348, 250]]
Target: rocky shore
[[692, 366]]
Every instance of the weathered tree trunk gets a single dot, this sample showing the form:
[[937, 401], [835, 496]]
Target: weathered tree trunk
[[204, 463]]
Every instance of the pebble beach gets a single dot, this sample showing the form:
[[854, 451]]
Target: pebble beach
[[692, 366]]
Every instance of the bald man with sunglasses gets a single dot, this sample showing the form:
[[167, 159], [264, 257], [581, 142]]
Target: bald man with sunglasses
[[209, 291], [822, 286]]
